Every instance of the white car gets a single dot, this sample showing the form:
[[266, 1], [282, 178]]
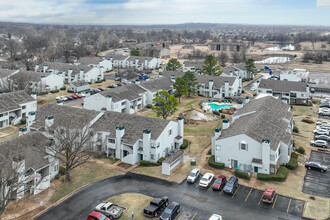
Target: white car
[[215, 217], [321, 131], [319, 143], [206, 180], [322, 123], [193, 176], [321, 110]]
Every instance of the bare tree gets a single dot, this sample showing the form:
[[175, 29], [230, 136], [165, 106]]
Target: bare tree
[[71, 144], [12, 48], [223, 58], [235, 56]]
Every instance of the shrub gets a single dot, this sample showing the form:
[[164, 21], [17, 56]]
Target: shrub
[[55, 91], [293, 164], [89, 82], [160, 160], [149, 105], [227, 97], [294, 155], [216, 113], [99, 81], [242, 175], [209, 152], [281, 175], [23, 120], [295, 129], [301, 150], [62, 170], [223, 116], [214, 164], [307, 120], [145, 163], [254, 94], [103, 80], [184, 145], [243, 91], [63, 88], [70, 91]]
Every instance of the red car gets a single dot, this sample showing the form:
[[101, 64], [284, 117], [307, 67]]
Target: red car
[[269, 195], [219, 183], [97, 216], [79, 96], [101, 89], [74, 96]]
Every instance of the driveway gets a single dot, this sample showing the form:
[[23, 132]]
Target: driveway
[[315, 182], [197, 204]]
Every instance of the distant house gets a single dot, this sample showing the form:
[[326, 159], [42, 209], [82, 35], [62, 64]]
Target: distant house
[[4, 78], [153, 51], [289, 92], [142, 63], [126, 99], [193, 66], [155, 85], [30, 168], [295, 75], [259, 139], [128, 137], [36, 81], [118, 61], [227, 46], [237, 70], [78, 86], [15, 106], [97, 62], [71, 72]]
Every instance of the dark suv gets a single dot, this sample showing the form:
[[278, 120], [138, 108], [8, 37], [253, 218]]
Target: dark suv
[[171, 211], [231, 185]]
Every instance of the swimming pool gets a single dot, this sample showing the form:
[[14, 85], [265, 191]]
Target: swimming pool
[[215, 106]]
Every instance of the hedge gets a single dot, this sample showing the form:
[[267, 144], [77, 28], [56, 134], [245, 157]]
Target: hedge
[[184, 145], [99, 81], [63, 88], [280, 176], [294, 155], [209, 152], [216, 113], [242, 175], [160, 160], [62, 170], [23, 120], [214, 164], [301, 150], [55, 91], [146, 163], [223, 116], [308, 121], [295, 129], [149, 106], [70, 91], [293, 164]]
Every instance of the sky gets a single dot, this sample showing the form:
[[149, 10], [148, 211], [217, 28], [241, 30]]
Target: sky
[[285, 12]]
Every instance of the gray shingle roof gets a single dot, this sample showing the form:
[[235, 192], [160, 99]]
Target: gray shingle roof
[[89, 60], [155, 85], [79, 83], [116, 57], [30, 76], [218, 81], [64, 67], [76, 116], [134, 125], [282, 86], [130, 92], [12, 100], [25, 146], [4, 73], [194, 63], [266, 122]]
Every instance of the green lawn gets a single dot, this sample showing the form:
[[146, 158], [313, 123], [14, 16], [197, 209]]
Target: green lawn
[[83, 175]]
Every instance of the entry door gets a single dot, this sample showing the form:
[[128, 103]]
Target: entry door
[[234, 163], [256, 169], [141, 156]]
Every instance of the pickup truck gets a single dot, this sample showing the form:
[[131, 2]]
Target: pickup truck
[[156, 207], [110, 210]]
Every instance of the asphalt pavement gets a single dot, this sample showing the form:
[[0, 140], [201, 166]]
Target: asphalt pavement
[[196, 203]]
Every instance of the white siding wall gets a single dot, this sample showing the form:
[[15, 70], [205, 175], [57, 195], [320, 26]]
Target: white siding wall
[[53, 81]]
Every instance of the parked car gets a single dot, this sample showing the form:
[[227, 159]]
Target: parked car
[[206, 180], [110, 210], [101, 89], [97, 90], [215, 217], [112, 86], [324, 110], [156, 207], [322, 137], [119, 84], [74, 96], [321, 131], [316, 166], [97, 216], [324, 127], [171, 211], [219, 183], [194, 175], [325, 104], [69, 98], [319, 143], [231, 185], [322, 123], [82, 94], [324, 113], [269, 195], [79, 96]]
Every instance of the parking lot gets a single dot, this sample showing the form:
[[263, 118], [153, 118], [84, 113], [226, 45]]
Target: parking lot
[[315, 182], [249, 197]]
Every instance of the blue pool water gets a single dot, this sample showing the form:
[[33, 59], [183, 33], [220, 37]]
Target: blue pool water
[[214, 106]]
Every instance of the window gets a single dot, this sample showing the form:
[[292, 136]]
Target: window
[[23, 107], [243, 145], [111, 141], [123, 103], [217, 147], [217, 159], [170, 132], [152, 156], [272, 170], [269, 92], [279, 152], [272, 157], [158, 156], [56, 168]]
